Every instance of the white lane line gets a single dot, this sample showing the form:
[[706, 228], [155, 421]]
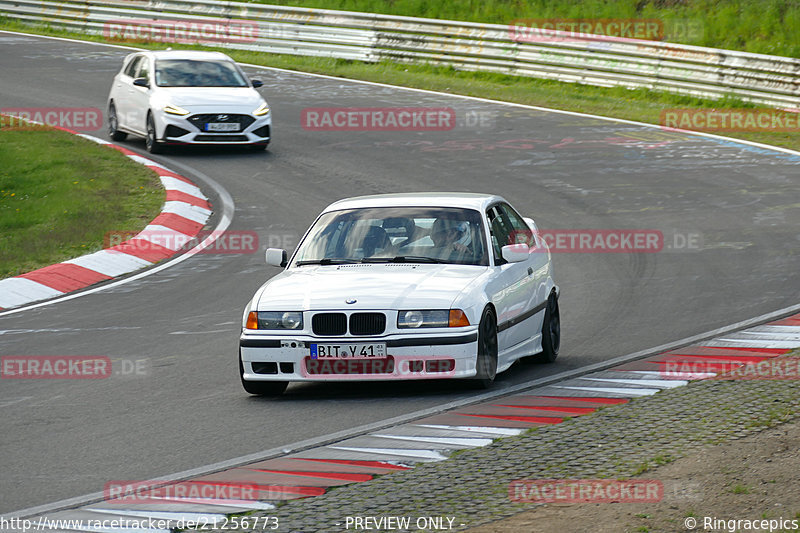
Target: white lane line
[[665, 383], [19, 291], [610, 390], [110, 263], [509, 432], [401, 452], [470, 442]]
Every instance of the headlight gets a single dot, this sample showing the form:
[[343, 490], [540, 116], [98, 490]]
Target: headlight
[[175, 110], [290, 320], [263, 109], [432, 318]]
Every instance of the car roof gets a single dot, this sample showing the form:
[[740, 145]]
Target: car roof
[[420, 199], [188, 54]]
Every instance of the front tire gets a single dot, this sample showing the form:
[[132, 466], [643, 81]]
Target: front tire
[[151, 141], [486, 362], [113, 125], [261, 388], [551, 331]]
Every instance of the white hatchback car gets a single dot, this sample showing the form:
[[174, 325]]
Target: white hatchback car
[[403, 286], [187, 97]]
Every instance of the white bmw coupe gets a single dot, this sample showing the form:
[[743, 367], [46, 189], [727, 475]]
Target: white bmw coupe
[[403, 286], [187, 97]]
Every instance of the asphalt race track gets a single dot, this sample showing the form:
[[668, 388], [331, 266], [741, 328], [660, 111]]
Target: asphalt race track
[[736, 205]]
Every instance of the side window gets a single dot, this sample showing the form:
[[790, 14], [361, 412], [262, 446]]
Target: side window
[[520, 233], [133, 66], [144, 69], [500, 229]]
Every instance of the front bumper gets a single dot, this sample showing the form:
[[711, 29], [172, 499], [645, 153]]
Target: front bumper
[[191, 129], [408, 357]]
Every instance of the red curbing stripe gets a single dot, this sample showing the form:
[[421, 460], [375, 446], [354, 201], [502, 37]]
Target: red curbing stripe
[[65, 277], [530, 419], [178, 223], [180, 196], [283, 489], [144, 249], [352, 462], [604, 401], [341, 476], [573, 410]]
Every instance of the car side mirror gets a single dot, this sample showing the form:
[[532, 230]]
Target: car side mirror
[[515, 253], [276, 257], [257, 83], [141, 82]]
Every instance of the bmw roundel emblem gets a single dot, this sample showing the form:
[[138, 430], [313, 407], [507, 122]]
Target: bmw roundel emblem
[[350, 301]]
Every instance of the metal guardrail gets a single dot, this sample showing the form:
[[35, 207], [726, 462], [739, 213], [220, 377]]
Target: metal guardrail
[[587, 59]]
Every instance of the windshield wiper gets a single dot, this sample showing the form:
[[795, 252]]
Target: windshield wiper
[[415, 259], [326, 261]]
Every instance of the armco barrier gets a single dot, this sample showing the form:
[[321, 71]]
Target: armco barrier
[[588, 59]]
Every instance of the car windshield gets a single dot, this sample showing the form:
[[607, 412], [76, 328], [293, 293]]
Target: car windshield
[[395, 234], [194, 73]]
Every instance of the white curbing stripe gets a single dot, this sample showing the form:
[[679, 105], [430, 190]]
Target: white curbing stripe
[[18, 291], [147, 162], [469, 442], [667, 384], [164, 236], [753, 343], [192, 212], [174, 184], [399, 452], [609, 390], [110, 263], [508, 432]]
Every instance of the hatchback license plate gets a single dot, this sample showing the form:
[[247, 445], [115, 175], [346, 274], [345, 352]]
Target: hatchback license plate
[[348, 351], [222, 126]]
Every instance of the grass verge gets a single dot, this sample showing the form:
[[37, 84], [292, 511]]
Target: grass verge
[[60, 194]]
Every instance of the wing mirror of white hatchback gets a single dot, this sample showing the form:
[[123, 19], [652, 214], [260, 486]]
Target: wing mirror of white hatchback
[[276, 257], [516, 253]]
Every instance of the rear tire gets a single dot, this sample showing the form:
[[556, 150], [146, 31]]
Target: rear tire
[[261, 388], [486, 362], [113, 125]]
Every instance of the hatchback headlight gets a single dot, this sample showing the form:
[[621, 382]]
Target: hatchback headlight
[[288, 320], [262, 110], [175, 110]]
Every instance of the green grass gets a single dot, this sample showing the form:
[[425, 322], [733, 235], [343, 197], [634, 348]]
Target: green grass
[[60, 194], [761, 26]]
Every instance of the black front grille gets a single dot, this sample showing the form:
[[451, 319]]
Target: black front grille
[[200, 121], [329, 324], [263, 131], [367, 323]]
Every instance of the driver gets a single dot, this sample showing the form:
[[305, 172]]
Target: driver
[[451, 238]]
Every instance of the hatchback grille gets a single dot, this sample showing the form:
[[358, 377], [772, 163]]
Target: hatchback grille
[[200, 121], [367, 323], [329, 324]]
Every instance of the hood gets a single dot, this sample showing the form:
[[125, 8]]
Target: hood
[[196, 98], [374, 286]]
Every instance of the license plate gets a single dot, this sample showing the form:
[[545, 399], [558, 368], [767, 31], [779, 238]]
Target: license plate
[[348, 351], [222, 126]]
